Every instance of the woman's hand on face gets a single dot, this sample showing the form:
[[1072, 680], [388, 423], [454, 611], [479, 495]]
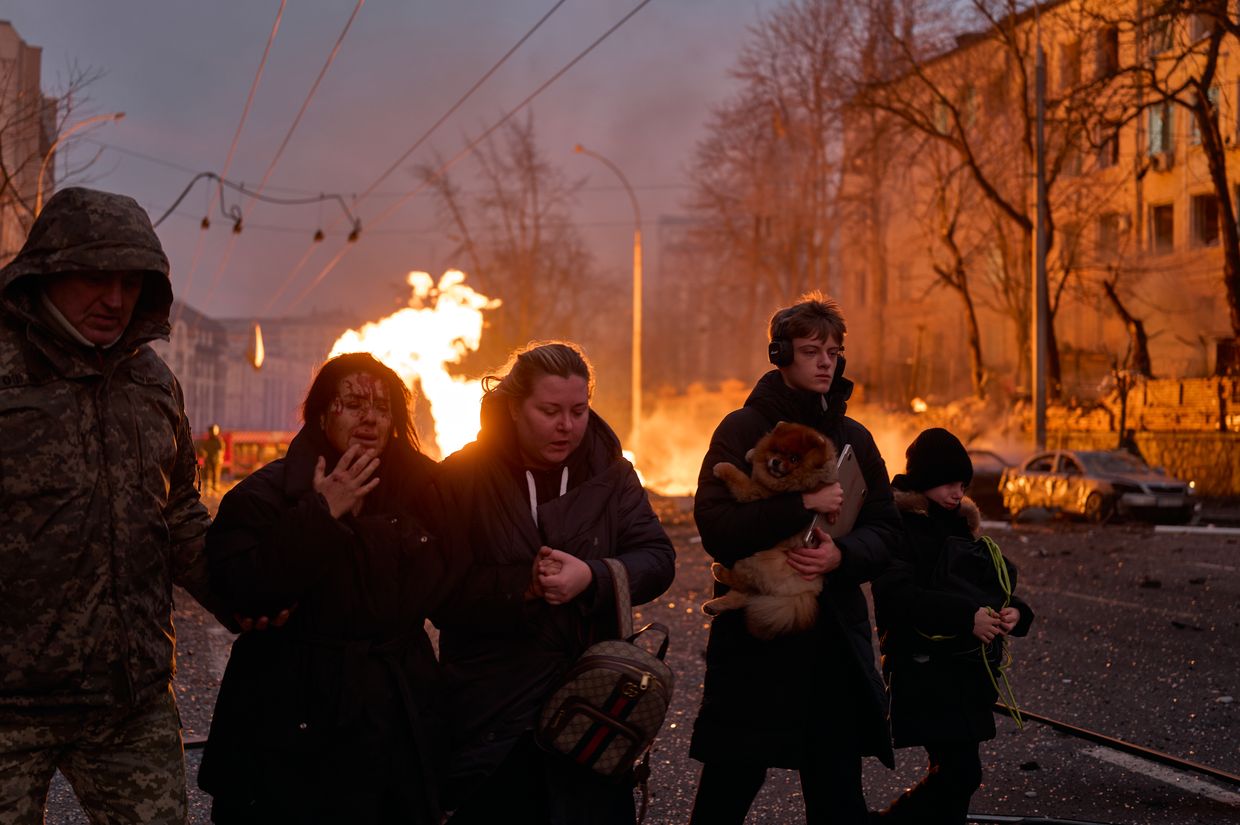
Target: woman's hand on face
[[826, 500], [987, 625], [349, 481], [570, 576]]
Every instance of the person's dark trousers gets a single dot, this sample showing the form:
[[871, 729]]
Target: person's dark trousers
[[534, 787], [942, 797], [830, 783]]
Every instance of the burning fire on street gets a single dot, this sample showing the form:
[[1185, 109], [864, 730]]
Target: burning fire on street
[[441, 324], [444, 321]]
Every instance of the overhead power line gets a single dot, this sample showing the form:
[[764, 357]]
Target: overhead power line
[[141, 155], [305, 104], [235, 213], [431, 230], [245, 111], [292, 273], [469, 148]]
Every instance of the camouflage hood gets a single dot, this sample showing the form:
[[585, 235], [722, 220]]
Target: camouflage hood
[[85, 230]]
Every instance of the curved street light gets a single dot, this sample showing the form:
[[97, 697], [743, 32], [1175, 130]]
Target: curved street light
[[51, 151], [636, 389]]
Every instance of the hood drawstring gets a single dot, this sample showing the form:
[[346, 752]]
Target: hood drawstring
[[529, 482]]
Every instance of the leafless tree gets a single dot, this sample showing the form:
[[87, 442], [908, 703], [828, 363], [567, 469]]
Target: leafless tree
[[30, 122], [1176, 51], [956, 246], [964, 79], [766, 177], [514, 234]]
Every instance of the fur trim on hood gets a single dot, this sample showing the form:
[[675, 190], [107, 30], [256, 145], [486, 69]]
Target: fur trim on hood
[[908, 501]]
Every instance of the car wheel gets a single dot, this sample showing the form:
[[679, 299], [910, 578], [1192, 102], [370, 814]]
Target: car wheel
[[1097, 508]]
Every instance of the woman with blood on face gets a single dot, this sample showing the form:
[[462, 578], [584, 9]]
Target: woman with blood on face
[[331, 717], [546, 496]]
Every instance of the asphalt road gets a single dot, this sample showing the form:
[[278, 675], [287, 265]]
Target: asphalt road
[[1135, 638]]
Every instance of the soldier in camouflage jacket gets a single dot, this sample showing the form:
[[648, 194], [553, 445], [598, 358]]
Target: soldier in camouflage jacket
[[99, 516]]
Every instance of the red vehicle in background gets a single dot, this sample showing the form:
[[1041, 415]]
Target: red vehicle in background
[[247, 450]]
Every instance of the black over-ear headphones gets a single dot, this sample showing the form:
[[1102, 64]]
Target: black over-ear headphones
[[779, 351]]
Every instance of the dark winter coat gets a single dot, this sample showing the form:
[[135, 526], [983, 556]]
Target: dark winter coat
[[99, 513], [940, 691], [774, 701], [331, 717], [502, 654]]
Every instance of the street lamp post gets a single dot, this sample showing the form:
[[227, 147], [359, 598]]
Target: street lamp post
[[51, 151], [636, 390]]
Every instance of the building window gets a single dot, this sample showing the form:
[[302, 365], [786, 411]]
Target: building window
[[1205, 220], [1237, 107], [1194, 130], [1162, 228], [1069, 65], [1108, 147], [904, 279], [1111, 227], [1106, 56], [1162, 33], [968, 105], [1161, 128], [995, 96], [1199, 27]]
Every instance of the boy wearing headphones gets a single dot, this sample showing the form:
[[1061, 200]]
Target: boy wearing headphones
[[810, 701]]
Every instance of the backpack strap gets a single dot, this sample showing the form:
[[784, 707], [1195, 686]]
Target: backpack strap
[[624, 604]]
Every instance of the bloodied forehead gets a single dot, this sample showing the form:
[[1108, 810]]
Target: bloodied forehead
[[360, 386]]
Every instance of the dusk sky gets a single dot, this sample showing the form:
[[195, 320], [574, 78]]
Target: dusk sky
[[181, 71]]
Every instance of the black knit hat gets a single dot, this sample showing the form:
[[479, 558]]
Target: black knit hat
[[937, 457]]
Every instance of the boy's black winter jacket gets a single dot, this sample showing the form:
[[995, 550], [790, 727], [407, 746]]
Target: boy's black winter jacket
[[773, 702]]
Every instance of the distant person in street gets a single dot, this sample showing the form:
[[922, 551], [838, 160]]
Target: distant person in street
[[212, 459], [938, 639], [810, 701], [99, 517], [546, 496], [332, 717]]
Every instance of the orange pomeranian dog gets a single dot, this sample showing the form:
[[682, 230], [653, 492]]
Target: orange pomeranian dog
[[791, 458]]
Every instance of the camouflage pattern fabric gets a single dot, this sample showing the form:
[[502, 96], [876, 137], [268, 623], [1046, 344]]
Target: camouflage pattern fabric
[[99, 514], [126, 765]]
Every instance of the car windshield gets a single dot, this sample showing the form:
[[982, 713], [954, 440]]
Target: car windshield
[[1117, 462]]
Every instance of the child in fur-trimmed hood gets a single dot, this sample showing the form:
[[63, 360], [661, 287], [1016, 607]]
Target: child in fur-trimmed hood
[[934, 640]]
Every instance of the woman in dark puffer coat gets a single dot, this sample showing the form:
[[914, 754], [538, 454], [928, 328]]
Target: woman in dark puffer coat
[[941, 694], [546, 496], [331, 718]]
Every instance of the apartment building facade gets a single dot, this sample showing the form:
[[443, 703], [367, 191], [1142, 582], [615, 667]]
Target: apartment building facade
[[27, 131], [951, 197]]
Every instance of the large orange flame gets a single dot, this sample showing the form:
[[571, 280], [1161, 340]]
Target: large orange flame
[[440, 325]]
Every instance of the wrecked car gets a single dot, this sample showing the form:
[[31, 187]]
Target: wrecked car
[[988, 467], [1097, 485]]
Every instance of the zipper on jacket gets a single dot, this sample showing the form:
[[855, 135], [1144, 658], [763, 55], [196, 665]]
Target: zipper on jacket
[[113, 564]]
